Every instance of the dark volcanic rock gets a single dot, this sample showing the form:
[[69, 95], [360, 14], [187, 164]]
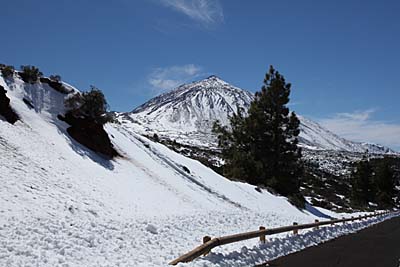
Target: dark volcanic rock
[[56, 85], [90, 134], [28, 103], [5, 109]]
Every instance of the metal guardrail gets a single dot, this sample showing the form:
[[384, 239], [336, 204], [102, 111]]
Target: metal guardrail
[[210, 243]]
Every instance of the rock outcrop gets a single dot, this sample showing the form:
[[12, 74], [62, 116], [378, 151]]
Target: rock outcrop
[[5, 109], [90, 134]]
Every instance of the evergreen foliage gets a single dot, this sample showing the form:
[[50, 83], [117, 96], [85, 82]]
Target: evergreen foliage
[[385, 184], [373, 183], [156, 138], [261, 147], [91, 104], [361, 184], [30, 74], [55, 78], [7, 71]]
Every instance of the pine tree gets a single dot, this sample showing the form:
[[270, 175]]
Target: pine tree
[[261, 148], [385, 184], [361, 184], [235, 145]]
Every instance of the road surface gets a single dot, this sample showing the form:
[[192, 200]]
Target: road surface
[[378, 245]]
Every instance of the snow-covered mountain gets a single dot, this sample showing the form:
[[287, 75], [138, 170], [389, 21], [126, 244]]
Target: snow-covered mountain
[[187, 113], [195, 106]]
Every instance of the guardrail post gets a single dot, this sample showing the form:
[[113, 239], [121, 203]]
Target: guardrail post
[[262, 237], [205, 240], [343, 222], [317, 226], [295, 231], [332, 219]]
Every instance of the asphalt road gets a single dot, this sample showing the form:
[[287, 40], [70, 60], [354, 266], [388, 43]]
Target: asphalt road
[[378, 245]]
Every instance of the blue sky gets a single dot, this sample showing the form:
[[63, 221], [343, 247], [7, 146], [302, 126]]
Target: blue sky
[[342, 57]]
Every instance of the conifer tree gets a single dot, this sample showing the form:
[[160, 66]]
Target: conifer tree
[[261, 147], [385, 184], [235, 144], [361, 184]]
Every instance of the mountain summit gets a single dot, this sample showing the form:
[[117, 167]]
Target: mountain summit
[[187, 113], [192, 107]]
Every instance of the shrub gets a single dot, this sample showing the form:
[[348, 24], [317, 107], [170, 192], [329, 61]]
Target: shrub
[[30, 74], [7, 71], [156, 138], [55, 78], [73, 102], [91, 104]]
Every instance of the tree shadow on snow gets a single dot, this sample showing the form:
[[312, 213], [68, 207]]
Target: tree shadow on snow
[[83, 151], [314, 211]]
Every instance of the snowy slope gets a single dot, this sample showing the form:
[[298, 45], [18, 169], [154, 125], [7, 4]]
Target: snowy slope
[[63, 205], [314, 136], [187, 113]]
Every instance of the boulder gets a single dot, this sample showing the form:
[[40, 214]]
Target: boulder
[[5, 109], [90, 134]]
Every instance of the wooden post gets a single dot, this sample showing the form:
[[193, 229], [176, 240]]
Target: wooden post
[[262, 237], [295, 231], [205, 240], [317, 226]]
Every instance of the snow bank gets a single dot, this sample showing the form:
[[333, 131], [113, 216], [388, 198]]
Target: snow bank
[[281, 246]]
